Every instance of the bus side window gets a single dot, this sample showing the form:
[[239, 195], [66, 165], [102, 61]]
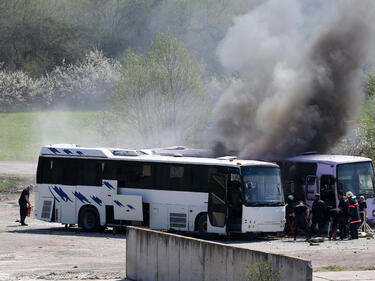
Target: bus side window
[[161, 176], [135, 175], [199, 178], [39, 172], [179, 177], [71, 174], [91, 172], [52, 171], [109, 170]]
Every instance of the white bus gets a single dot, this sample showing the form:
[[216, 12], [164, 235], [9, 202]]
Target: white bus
[[305, 175], [99, 187]]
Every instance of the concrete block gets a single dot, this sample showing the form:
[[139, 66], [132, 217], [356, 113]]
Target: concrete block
[[157, 256]]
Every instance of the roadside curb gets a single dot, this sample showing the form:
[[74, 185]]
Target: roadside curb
[[344, 275]]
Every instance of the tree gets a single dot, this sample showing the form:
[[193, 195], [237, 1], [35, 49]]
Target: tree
[[36, 36], [370, 85], [85, 84], [159, 92]]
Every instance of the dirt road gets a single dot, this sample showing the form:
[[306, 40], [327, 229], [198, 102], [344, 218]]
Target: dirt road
[[49, 252], [17, 168]]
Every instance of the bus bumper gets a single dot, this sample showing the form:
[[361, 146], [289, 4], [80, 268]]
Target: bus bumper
[[263, 219]]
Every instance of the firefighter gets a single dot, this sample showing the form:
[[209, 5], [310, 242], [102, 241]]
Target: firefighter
[[289, 215], [301, 213], [354, 218], [318, 215], [343, 217]]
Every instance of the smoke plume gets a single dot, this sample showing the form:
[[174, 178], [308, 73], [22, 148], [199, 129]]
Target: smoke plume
[[299, 64]]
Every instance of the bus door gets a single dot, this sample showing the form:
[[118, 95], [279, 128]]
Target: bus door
[[311, 188], [217, 204], [327, 190], [120, 206]]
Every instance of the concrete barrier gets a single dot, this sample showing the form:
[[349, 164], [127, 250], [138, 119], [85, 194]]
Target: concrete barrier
[[157, 256]]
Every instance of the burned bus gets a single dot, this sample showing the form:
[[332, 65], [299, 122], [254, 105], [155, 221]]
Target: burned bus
[[304, 175]]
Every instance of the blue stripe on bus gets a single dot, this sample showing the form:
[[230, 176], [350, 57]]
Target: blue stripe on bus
[[53, 150], [62, 194], [53, 194], [130, 207], [107, 184], [97, 200], [81, 197], [67, 151], [118, 203]]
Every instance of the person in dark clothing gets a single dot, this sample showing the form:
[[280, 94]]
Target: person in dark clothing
[[362, 207], [289, 209], [301, 213], [318, 215], [343, 206], [354, 218], [334, 218], [24, 202]]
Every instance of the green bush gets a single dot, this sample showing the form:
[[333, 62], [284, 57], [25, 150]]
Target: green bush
[[261, 271]]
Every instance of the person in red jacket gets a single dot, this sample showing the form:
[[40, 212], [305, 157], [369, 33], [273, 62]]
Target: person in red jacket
[[354, 218]]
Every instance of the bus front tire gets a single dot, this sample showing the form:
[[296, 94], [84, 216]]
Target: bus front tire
[[90, 219], [202, 228]]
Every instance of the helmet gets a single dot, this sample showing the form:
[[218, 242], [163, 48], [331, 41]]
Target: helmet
[[349, 194], [291, 197]]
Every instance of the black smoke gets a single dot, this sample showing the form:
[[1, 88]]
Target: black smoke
[[303, 84]]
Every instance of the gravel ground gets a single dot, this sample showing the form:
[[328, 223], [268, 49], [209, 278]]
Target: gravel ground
[[348, 254], [46, 251]]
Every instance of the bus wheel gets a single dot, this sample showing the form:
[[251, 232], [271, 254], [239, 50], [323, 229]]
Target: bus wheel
[[202, 228], [90, 219]]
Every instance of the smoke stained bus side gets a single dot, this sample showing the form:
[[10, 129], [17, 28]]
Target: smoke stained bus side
[[305, 175]]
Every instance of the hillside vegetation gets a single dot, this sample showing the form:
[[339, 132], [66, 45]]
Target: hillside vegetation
[[22, 134]]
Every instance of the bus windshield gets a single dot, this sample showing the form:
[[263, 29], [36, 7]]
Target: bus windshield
[[357, 178], [262, 186]]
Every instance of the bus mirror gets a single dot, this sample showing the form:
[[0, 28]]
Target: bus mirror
[[249, 185]]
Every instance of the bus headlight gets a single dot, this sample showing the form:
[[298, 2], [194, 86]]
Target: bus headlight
[[373, 213]]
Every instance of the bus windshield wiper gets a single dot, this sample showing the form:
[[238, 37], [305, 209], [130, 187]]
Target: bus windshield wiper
[[276, 204], [266, 204]]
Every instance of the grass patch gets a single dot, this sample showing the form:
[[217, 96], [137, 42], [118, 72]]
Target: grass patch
[[370, 267], [22, 134], [333, 268], [6, 185], [12, 184]]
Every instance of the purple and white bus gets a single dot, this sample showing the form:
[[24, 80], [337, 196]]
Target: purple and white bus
[[305, 175]]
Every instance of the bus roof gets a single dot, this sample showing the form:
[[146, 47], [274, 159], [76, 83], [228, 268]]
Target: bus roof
[[327, 158], [75, 151]]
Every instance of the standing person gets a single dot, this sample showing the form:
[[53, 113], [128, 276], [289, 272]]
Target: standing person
[[343, 219], [362, 208], [24, 203], [354, 218], [318, 215], [301, 213], [289, 209]]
